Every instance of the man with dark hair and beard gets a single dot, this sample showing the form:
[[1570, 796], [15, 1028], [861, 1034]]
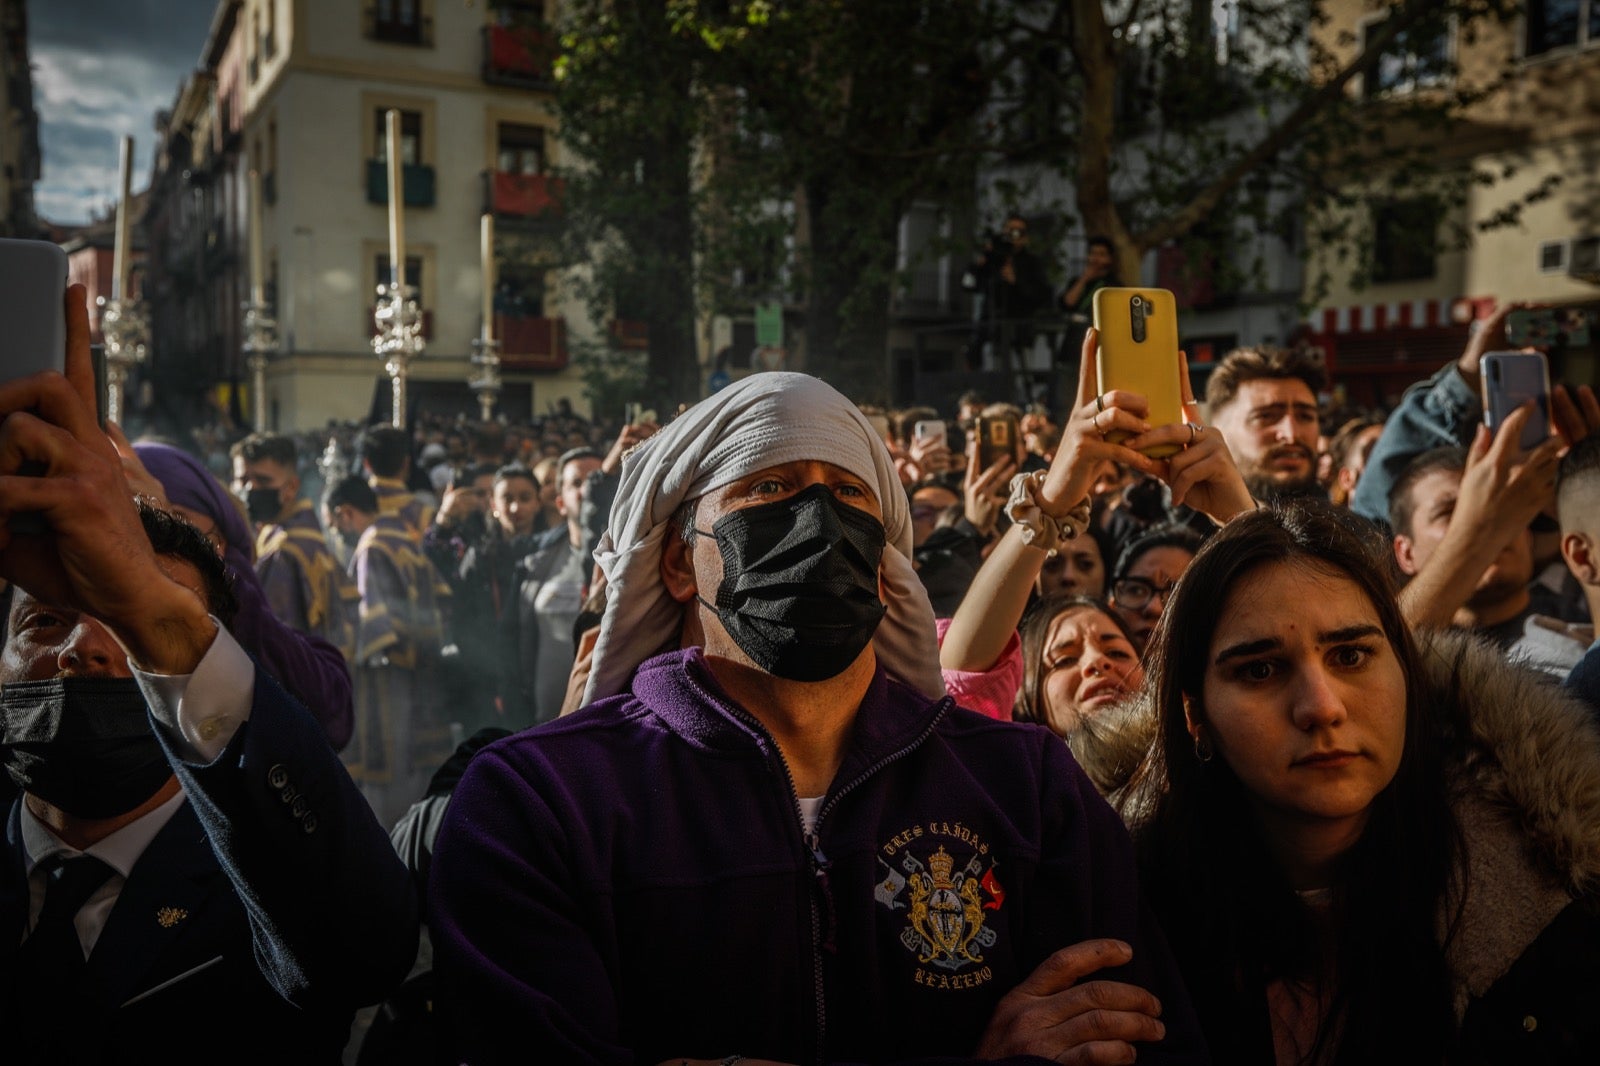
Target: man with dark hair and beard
[[770, 834], [189, 876], [1264, 402]]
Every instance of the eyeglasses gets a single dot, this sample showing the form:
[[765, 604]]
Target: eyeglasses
[[1134, 592]]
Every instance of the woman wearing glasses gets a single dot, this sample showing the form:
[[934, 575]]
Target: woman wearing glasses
[[1050, 512], [1146, 571]]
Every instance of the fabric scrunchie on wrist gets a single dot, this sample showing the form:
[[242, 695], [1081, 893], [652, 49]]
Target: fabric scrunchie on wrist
[[1041, 529]]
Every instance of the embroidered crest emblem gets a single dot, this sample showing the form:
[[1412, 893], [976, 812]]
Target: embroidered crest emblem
[[946, 905], [167, 917]]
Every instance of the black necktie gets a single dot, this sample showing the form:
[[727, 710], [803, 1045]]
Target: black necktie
[[52, 956], [50, 962]]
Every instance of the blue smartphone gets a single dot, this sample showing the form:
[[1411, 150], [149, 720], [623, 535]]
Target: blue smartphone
[[1511, 379]]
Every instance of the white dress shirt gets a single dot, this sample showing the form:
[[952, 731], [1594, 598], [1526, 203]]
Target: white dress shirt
[[200, 713]]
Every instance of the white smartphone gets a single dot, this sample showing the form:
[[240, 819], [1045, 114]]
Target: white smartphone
[[33, 283]]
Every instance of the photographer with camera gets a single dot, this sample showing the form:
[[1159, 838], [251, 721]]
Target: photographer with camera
[[1011, 286], [1076, 302]]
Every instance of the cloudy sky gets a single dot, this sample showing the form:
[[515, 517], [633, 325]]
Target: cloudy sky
[[103, 68]]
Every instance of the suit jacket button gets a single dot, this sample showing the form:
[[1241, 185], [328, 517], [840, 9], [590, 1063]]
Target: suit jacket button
[[298, 808], [308, 824], [277, 777], [1529, 1024]]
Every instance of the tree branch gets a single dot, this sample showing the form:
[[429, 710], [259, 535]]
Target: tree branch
[[1281, 136]]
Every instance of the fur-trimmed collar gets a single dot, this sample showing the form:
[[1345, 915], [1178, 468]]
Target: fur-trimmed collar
[[1523, 763]]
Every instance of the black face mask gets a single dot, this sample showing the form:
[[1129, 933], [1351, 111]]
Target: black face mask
[[799, 591], [83, 744], [263, 505]]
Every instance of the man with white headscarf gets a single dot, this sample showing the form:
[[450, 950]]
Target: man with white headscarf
[[770, 834]]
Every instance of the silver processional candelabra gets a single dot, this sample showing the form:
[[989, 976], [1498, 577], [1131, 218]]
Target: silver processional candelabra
[[127, 338], [399, 340], [486, 383], [260, 342]]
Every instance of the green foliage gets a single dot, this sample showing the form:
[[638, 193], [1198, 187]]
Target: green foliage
[[726, 152], [612, 377]]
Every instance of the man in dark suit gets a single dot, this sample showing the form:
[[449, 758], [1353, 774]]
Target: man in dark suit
[[188, 875]]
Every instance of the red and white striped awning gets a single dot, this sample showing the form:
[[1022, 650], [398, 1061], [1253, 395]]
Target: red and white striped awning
[[1405, 314]]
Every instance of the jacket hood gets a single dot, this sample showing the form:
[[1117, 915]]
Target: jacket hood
[[1522, 759]]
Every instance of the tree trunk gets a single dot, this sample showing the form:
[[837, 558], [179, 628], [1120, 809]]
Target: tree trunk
[[1096, 55], [847, 300]]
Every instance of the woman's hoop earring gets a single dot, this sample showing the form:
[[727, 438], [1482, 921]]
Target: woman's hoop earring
[[1202, 748]]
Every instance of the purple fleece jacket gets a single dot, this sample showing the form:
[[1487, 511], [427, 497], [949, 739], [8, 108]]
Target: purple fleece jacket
[[632, 884]]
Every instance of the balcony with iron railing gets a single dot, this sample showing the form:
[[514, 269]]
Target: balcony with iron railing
[[416, 181], [530, 342], [534, 197], [386, 23], [519, 56]]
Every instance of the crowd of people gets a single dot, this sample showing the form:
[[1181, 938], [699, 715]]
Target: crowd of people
[[792, 731]]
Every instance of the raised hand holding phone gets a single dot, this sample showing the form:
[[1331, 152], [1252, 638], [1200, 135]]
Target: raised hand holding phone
[[1138, 353], [1512, 380]]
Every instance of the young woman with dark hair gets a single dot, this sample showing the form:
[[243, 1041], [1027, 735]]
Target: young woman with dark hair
[[1077, 659], [1051, 511], [1362, 851]]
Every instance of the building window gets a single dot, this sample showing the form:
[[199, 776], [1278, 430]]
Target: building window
[[1552, 257], [399, 22], [413, 271], [1405, 239], [1416, 58], [520, 150], [410, 136], [1553, 24], [269, 42], [518, 13]]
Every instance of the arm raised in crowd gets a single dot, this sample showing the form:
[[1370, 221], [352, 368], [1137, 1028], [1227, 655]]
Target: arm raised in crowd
[[1202, 474], [1501, 491], [1440, 412], [331, 917]]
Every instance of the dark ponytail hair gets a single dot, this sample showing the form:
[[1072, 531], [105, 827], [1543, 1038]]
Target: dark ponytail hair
[[1235, 922]]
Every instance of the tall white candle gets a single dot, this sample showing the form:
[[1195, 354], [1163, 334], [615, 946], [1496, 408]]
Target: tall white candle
[[258, 274], [397, 228], [123, 251], [487, 255]]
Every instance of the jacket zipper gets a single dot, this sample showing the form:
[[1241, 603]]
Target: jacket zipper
[[813, 839]]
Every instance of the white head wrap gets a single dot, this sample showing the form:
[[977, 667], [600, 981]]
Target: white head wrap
[[765, 420]]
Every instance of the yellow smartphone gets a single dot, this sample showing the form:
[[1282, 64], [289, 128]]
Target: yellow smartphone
[[1139, 353]]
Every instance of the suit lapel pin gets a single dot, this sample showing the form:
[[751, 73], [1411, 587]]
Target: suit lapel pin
[[170, 916]]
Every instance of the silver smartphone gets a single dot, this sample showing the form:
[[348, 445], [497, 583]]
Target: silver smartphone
[[33, 283], [1511, 379]]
